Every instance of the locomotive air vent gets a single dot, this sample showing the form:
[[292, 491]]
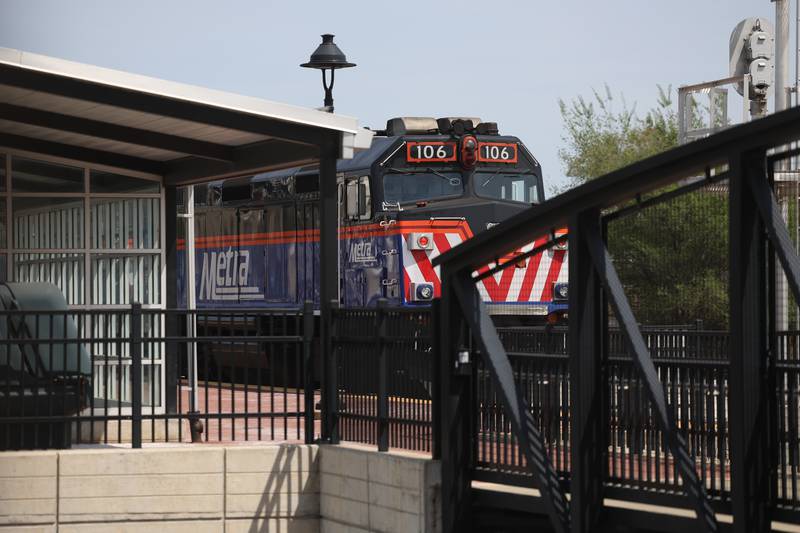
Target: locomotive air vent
[[458, 125], [487, 128], [411, 126]]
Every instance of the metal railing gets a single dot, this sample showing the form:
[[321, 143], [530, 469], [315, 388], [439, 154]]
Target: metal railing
[[384, 376], [148, 375], [708, 419], [695, 381]]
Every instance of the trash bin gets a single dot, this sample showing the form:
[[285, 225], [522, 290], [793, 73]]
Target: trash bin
[[45, 371]]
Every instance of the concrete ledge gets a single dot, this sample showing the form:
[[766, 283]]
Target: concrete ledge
[[139, 485], [333, 485], [178, 526], [28, 529], [345, 511], [332, 526], [273, 525], [268, 505], [28, 488]]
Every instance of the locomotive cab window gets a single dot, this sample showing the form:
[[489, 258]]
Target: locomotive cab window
[[507, 186], [411, 186], [358, 199]]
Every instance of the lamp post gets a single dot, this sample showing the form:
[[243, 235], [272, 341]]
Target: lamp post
[[327, 57]]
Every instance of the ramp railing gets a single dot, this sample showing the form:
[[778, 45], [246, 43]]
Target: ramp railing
[[620, 405]]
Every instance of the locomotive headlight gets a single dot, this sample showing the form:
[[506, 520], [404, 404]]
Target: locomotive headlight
[[420, 241], [424, 291], [560, 291]]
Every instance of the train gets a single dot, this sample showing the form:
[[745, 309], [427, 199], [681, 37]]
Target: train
[[424, 186]]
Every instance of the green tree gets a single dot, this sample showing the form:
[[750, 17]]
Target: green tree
[[672, 257]]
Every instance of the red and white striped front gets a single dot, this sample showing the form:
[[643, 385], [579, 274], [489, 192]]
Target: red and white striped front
[[530, 281]]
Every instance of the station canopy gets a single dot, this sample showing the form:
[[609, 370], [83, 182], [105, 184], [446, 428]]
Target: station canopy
[[183, 133]]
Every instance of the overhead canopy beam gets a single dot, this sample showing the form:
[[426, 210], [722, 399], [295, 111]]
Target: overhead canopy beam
[[159, 105], [258, 157], [80, 153], [116, 132]]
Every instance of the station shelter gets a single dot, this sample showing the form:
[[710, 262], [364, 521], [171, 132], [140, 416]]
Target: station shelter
[[92, 162]]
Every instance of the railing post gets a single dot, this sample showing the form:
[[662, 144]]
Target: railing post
[[308, 370], [383, 393], [436, 389], [589, 422], [330, 400], [454, 424], [749, 403], [136, 375]]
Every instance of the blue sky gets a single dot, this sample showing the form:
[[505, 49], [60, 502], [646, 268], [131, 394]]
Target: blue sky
[[508, 62]]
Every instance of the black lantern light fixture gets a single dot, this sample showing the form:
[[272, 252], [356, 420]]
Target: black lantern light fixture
[[326, 57]]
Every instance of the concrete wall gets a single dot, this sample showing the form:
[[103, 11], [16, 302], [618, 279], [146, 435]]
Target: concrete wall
[[193, 489], [198, 489], [362, 490]]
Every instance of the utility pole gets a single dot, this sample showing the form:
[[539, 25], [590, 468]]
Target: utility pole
[[782, 184], [781, 54], [781, 83]]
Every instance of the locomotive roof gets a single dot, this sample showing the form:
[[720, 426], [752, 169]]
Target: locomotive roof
[[361, 161]]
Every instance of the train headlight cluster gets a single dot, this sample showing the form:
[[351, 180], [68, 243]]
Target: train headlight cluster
[[469, 152], [560, 291]]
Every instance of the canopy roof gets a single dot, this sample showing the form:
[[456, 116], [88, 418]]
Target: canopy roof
[[184, 133]]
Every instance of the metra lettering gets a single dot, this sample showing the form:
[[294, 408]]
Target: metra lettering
[[361, 252], [224, 276]]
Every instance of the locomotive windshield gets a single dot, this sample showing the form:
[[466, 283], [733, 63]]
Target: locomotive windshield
[[410, 186], [506, 186]]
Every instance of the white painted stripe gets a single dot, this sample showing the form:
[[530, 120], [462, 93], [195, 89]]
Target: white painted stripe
[[483, 292], [432, 254], [410, 266], [541, 276], [516, 281], [563, 276], [454, 239]]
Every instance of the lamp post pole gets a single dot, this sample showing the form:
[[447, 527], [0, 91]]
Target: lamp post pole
[[328, 57]]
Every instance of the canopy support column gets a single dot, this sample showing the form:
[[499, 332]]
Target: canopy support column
[[328, 275]]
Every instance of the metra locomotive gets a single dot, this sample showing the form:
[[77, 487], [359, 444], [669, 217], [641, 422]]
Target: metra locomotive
[[424, 186]]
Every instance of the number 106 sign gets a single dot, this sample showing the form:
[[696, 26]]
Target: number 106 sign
[[431, 152], [489, 152]]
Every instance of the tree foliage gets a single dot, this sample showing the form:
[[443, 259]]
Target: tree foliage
[[600, 138], [672, 257]]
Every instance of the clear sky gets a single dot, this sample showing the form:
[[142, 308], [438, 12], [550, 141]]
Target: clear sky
[[504, 61]]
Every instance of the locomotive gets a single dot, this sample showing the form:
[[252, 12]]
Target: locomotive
[[424, 186]]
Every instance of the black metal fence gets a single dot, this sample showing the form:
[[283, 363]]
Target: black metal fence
[[693, 368], [384, 376], [385, 372], [148, 375]]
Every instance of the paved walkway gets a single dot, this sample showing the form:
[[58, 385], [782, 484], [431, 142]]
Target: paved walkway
[[230, 413]]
